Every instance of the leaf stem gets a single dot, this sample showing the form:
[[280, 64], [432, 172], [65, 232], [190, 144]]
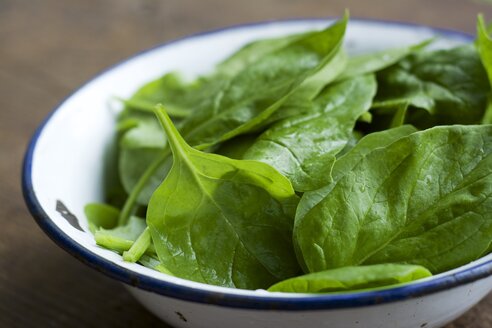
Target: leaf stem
[[174, 138], [130, 202], [138, 248]]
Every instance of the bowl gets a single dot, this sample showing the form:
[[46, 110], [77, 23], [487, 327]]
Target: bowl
[[64, 169]]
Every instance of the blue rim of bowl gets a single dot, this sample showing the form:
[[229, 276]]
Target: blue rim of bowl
[[259, 302]]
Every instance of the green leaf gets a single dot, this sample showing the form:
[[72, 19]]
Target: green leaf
[[424, 199], [181, 98], [355, 136], [221, 221], [376, 61], [345, 162], [450, 85], [298, 70], [133, 163], [152, 262], [368, 144], [365, 117], [143, 184], [114, 192], [101, 216], [146, 133], [140, 145], [304, 147], [236, 147], [254, 51], [352, 278]]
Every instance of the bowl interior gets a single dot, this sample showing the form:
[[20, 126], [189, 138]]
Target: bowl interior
[[65, 163]]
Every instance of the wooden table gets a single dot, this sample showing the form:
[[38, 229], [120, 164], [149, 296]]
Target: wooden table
[[48, 48]]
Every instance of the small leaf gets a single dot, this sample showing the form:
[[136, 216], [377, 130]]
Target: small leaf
[[352, 278], [181, 98], [101, 216]]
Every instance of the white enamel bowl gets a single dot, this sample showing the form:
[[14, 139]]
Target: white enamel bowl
[[63, 171]]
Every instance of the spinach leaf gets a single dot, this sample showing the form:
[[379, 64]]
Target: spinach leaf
[[101, 216], [345, 162], [298, 70], [133, 163], [368, 144], [140, 145], [450, 85], [179, 97], [145, 133], [304, 147], [424, 199], [354, 138], [301, 100], [374, 62], [254, 51], [236, 147], [221, 221], [152, 262], [352, 278]]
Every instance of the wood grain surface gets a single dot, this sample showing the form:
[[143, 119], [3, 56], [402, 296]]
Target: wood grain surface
[[48, 48]]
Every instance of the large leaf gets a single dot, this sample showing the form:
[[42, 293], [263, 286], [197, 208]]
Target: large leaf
[[450, 86], [424, 199], [304, 147], [222, 221], [300, 69], [345, 163], [352, 278]]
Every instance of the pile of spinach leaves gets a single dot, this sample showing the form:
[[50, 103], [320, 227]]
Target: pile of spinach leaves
[[294, 167]]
